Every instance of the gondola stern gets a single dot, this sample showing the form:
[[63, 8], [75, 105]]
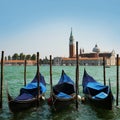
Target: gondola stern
[[8, 94], [63, 72], [85, 72]]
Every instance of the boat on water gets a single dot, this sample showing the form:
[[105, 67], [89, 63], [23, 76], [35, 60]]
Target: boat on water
[[97, 93], [28, 95], [63, 93]]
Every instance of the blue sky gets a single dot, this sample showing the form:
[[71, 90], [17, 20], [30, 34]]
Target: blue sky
[[44, 26]]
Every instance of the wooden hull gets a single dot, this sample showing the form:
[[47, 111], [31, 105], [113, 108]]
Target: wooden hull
[[17, 106], [58, 103], [106, 103]]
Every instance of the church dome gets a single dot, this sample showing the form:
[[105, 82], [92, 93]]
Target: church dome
[[96, 49]]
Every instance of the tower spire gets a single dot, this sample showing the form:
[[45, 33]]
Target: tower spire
[[71, 32], [71, 45], [71, 37]]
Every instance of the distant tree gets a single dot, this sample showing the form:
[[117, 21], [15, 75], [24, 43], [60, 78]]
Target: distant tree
[[22, 56], [5, 57], [33, 57], [9, 57], [45, 61], [15, 56], [28, 57], [41, 61]]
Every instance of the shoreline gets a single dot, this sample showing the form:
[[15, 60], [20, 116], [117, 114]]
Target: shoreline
[[19, 62]]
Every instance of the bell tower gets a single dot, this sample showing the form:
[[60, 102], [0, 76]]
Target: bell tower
[[71, 46]]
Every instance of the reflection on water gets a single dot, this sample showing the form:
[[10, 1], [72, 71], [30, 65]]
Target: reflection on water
[[14, 75]]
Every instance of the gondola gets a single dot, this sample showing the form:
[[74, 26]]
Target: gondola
[[98, 94], [28, 95], [63, 93]]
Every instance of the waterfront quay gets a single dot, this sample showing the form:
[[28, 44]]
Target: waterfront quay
[[19, 62]]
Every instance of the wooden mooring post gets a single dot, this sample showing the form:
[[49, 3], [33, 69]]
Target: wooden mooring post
[[1, 83], [117, 82], [77, 75], [38, 82], [51, 89], [104, 72], [25, 73]]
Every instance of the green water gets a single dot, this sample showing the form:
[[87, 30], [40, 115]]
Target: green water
[[14, 77]]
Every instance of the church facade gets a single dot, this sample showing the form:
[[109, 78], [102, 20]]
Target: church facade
[[95, 57]]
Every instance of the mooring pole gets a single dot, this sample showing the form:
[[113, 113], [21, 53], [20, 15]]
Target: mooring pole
[[77, 75], [51, 90], [1, 84], [117, 83], [104, 72], [38, 80], [25, 73]]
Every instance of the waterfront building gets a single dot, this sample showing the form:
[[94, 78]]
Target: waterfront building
[[91, 58]]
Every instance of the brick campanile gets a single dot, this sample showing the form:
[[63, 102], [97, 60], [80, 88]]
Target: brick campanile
[[71, 46]]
